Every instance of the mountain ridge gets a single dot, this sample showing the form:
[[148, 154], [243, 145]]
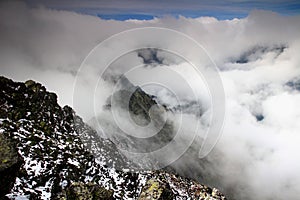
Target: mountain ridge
[[59, 152]]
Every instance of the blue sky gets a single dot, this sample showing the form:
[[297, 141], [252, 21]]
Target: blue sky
[[147, 9]]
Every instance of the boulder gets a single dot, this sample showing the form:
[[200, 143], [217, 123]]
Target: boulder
[[156, 190]]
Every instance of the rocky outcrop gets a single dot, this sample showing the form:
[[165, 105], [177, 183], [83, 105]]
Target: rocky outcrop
[[156, 190], [143, 109], [57, 147], [10, 164], [86, 191], [63, 155]]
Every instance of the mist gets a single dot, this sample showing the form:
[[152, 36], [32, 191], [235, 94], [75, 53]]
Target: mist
[[257, 155]]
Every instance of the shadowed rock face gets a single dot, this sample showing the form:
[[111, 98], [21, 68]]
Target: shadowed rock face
[[10, 164], [138, 105], [143, 109], [63, 155]]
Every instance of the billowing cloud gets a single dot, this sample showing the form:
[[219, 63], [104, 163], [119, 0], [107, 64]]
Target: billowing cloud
[[257, 156]]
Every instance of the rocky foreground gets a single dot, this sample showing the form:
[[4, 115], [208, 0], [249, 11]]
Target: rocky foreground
[[48, 152]]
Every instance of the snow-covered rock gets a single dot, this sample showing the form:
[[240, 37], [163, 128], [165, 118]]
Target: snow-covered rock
[[59, 151]]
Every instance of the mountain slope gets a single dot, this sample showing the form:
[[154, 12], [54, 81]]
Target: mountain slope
[[58, 152]]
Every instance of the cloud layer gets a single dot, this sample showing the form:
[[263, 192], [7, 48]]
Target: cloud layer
[[257, 156]]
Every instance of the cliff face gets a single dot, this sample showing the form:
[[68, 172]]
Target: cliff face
[[55, 155]]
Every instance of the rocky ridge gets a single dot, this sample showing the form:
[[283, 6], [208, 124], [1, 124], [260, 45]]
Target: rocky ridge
[[55, 155]]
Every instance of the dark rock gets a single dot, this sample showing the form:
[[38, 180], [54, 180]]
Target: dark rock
[[257, 52], [156, 190], [10, 164], [86, 191], [149, 56], [143, 109], [259, 117], [60, 150], [294, 84]]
